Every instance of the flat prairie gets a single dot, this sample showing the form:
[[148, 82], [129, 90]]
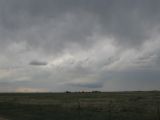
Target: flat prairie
[[137, 105]]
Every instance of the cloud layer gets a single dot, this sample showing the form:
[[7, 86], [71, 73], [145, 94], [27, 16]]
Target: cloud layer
[[58, 45]]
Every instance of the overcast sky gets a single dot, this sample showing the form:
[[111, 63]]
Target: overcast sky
[[59, 45]]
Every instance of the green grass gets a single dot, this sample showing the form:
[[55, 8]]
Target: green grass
[[81, 106]]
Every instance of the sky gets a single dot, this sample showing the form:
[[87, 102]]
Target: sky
[[75, 45]]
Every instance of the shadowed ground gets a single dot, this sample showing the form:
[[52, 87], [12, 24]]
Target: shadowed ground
[[81, 106], [3, 118]]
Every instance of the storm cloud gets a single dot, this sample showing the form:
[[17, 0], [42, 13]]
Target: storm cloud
[[84, 44]]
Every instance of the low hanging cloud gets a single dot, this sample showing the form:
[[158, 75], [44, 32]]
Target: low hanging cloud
[[87, 85], [38, 63]]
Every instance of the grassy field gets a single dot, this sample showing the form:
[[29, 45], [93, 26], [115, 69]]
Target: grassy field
[[81, 106]]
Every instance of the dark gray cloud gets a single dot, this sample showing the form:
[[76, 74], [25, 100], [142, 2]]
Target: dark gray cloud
[[46, 23], [38, 63]]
